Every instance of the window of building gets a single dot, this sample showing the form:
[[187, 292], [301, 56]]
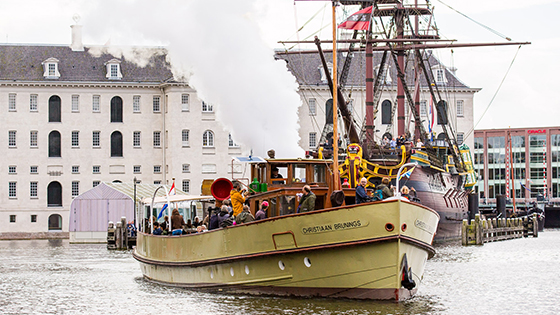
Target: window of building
[[113, 69], [54, 194], [55, 222], [350, 106], [34, 169], [50, 68], [54, 144], [185, 102], [12, 218], [185, 137], [208, 168], [460, 137], [136, 139], [186, 168], [207, 107], [157, 169], [441, 108], [33, 218], [116, 144], [312, 107], [460, 108], [54, 109], [116, 109], [157, 139], [95, 136], [12, 139], [312, 139], [136, 104], [186, 186], [33, 135], [12, 189], [33, 107], [157, 182], [75, 169], [96, 183], [75, 103], [136, 169], [231, 143], [75, 189], [386, 108], [95, 103], [75, 139], [12, 102], [33, 191], [156, 104], [208, 139], [478, 143], [96, 169], [12, 169]]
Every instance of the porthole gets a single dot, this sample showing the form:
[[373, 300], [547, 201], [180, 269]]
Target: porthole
[[281, 265], [211, 274], [246, 269], [231, 271], [403, 227], [389, 227], [307, 262]]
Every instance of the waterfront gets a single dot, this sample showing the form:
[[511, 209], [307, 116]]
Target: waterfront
[[55, 277]]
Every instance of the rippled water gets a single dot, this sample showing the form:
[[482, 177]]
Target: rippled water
[[54, 277]]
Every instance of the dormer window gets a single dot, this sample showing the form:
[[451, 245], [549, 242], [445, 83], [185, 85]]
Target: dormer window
[[322, 71], [113, 69], [50, 68], [439, 74]]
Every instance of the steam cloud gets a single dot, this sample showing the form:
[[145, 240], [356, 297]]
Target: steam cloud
[[217, 46]]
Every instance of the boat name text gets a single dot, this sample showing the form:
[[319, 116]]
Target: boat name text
[[424, 226], [339, 226]]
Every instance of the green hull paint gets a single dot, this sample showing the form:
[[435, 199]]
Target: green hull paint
[[339, 252]]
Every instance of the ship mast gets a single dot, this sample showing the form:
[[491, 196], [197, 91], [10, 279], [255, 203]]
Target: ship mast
[[336, 175]]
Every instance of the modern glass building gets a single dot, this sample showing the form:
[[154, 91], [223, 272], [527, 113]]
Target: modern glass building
[[521, 160]]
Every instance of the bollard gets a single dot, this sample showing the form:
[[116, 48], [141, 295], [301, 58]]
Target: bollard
[[118, 236], [125, 233], [501, 205], [535, 225], [478, 229], [473, 206], [464, 231]]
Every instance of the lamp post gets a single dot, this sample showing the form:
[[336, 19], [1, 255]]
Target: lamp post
[[135, 202]]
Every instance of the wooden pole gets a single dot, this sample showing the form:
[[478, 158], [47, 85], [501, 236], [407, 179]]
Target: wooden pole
[[336, 175]]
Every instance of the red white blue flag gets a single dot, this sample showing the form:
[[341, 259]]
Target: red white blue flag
[[358, 21]]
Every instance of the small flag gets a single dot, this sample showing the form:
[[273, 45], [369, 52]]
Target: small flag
[[172, 190], [525, 187], [161, 211], [407, 173], [358, 21]]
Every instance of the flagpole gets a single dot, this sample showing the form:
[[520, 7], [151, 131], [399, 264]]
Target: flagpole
[[336, 175]]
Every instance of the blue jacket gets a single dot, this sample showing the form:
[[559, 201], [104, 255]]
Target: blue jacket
[[361, 195]]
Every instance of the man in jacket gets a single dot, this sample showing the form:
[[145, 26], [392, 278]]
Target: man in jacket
[[361, 194], [307, 201]]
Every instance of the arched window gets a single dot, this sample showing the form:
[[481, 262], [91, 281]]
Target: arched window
[[54, 195], [116, 144], [442, 112], [116, 109], [55, 222], [54, 144], [208, 139], [386, 112], [54, 109]]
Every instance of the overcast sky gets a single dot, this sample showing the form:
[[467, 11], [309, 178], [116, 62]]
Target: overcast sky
[[526, 99]]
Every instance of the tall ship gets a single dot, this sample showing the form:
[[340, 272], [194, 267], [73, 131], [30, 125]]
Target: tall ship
[[396, 40]]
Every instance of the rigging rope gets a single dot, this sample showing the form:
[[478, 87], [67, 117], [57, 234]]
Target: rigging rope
[[495, 94]]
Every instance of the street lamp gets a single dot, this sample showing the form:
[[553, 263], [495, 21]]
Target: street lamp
[[135, 202]]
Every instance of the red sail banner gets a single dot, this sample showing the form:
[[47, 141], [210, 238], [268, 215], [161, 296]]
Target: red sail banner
[[358, 21]]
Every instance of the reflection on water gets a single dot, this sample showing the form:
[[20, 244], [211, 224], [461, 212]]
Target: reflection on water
[[54, 277]]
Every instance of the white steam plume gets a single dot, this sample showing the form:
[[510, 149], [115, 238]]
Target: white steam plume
[[217, 45]]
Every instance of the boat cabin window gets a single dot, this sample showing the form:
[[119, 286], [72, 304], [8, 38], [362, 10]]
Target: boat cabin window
[[319, 174], [299, 173], [278, 171]]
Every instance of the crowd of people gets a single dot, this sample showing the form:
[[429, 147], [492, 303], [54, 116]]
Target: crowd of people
[[383, 191]]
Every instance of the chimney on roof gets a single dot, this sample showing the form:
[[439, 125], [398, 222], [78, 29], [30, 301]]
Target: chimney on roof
[[77, 38]]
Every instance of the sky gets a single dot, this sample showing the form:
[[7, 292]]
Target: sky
[[236, 39]]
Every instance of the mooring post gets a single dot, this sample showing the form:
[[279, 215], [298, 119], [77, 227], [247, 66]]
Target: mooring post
[[473, 206], [478, 229], [535, 225], [464, 232], [118, 235], [125, 233]]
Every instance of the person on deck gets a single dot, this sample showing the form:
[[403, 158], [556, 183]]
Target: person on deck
[[405, 192], [261, 214], [177, 222], [245, 216], [361, 194], [157, 229], [213, 221], [307, 201], [237, 198], [224, 215], [385, 189]]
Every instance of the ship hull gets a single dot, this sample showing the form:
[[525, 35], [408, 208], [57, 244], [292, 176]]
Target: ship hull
[[345, 252]]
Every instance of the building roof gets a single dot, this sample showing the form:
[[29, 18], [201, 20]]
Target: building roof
[[305, 67], [24, 63], [111, 191]]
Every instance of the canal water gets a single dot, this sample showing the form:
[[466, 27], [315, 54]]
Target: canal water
[[54, 277]]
